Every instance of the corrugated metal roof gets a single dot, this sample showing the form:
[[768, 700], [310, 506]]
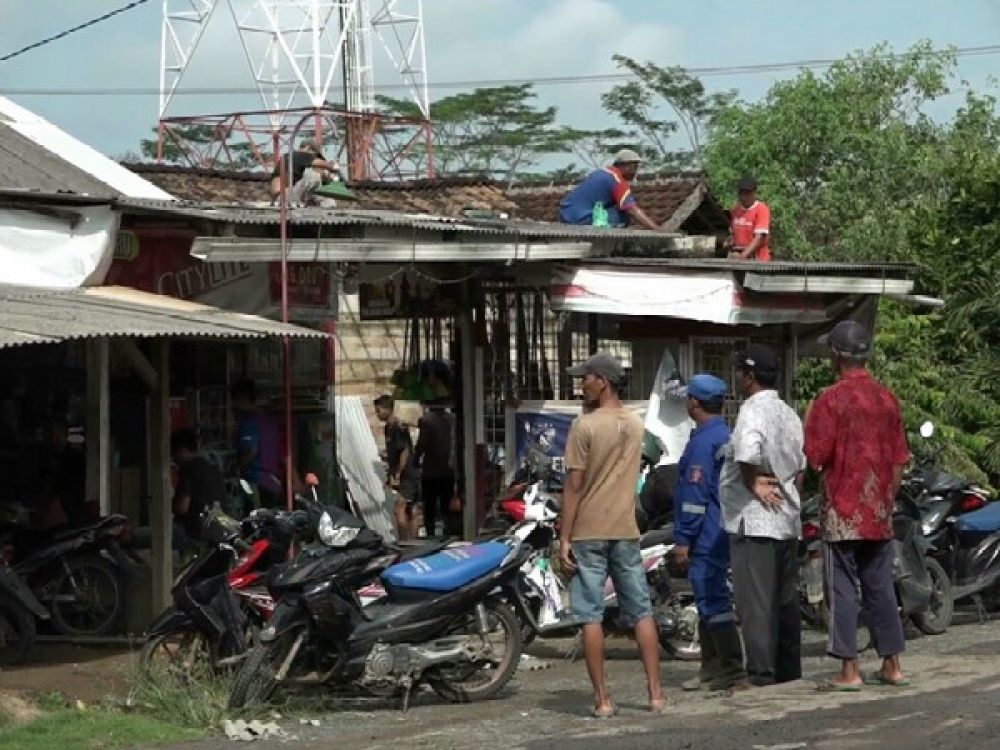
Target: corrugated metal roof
[[775, 267], [42, 316], [37, 155], [270, 215]]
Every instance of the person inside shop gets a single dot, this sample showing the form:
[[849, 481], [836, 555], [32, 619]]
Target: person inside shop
[[308, 170], [610, 188], [399, 474], [63, 474], [199, 485], [434, 455], [258, 446]]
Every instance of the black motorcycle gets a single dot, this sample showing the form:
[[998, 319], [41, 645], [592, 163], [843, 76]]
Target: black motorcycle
[[442, 620], [19, 609], [78, 574]]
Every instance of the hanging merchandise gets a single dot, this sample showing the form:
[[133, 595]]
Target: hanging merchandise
[[419, 379], [544, 375]]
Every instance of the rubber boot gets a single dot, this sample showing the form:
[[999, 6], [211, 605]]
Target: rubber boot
[[711, 668], [729, 648]]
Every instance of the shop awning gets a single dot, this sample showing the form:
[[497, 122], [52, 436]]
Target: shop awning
[[712, 296], [40, 316]]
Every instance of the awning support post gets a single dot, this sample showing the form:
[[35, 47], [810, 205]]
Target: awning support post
[[98, 427], [468, 424], [161, 515]]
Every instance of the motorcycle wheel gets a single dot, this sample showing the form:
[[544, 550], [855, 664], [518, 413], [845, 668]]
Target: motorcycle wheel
[[458, 684], [258, 677], [937, 617], [17, 633], [685, 644], [180, 653], [87, 596]]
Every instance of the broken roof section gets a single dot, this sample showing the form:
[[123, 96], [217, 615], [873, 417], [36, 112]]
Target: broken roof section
[[679, 203], [38, 157]]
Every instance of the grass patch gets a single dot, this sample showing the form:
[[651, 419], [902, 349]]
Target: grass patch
[[184, 701], [94, 729]]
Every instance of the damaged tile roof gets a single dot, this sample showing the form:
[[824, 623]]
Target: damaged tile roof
[[444, 197], [679, 203]]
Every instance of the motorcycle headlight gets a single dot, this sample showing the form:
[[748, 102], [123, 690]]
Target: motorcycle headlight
[[335, 536]]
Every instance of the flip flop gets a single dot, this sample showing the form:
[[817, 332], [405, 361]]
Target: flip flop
[[828, 686], [605, 713], [880, 680]]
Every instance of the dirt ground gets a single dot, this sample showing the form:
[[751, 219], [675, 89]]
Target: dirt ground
[[86, 673]]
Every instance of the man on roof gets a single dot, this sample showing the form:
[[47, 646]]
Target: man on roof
[[750, 224], [610, 189], [307, 170]]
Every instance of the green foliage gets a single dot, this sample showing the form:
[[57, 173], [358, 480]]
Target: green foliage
[[180, 699], [499, 131], [660, 104], [854, 169], [241, 154], [95, 729]]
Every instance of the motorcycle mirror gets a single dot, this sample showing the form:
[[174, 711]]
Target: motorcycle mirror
[[927, 429]]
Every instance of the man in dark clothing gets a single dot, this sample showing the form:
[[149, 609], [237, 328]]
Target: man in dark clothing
[[399, 466], [308, 170], [65, 476], [199, 485], [259, 447], [437, 470], [854, 436]]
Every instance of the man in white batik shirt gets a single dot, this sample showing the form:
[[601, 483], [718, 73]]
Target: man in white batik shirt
[[759, 493]]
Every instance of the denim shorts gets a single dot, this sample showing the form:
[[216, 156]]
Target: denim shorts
[[596, 560]]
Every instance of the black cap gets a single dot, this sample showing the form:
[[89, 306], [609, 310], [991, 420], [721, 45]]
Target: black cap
[[758, 358], [747, 183], [603, 364], [848, 337]]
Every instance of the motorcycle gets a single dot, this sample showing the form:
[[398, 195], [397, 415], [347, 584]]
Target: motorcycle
[[962, 526], [544, 595], [77, 573], [434, 624], [218, 599], [19, 608]]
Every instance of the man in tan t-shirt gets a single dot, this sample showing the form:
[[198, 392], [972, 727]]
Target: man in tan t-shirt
[[598, 532]]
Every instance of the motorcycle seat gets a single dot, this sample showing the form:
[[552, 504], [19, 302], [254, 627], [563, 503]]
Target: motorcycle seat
[[657, 536], [423, 549], [447, 570], [103, 523], [986, 520]]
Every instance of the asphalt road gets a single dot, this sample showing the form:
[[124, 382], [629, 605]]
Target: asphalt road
[[952, 703]]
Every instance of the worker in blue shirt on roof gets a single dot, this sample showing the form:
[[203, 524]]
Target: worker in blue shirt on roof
[[611, 188], [701, 542]]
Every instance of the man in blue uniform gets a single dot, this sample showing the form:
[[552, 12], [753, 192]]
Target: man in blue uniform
[[701, 541], [611, 187]]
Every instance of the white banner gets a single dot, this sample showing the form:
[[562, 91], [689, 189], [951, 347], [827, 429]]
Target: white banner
[[61, 248]]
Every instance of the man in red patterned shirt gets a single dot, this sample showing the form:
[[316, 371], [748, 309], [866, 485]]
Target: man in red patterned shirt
[[854, 436]]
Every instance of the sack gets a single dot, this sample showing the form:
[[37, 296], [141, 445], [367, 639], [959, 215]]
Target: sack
[[455, 504]]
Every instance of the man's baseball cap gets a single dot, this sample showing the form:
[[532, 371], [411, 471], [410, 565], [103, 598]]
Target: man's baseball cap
[[706, 387], [746, 184], [848, 337], [605, 365], [627, 156], [757, 358]]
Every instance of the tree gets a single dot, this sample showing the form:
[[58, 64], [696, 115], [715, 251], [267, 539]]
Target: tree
[[640, 104], [500, 131], [241, 153], [855, 169]]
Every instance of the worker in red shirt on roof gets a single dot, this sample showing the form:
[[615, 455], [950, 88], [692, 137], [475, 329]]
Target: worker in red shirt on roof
[[610, 187], [750, 224]]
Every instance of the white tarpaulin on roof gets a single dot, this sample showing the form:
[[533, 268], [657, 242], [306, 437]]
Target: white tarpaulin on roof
[[709, 296], [57, 250]]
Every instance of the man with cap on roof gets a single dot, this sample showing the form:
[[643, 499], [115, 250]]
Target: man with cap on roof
[[855, 437], [611, 188], [761, 508], [598, 534], [700, 540], [750, 224]]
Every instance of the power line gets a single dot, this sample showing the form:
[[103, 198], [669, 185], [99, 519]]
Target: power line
[[67, 32], [702, 72]]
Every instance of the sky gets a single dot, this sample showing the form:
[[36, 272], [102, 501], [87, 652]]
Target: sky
[[471, 40]]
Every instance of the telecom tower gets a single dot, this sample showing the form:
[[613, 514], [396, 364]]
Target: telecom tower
[[300, 54]]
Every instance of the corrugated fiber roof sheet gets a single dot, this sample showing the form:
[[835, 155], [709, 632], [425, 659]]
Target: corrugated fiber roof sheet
[[41, 316]]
